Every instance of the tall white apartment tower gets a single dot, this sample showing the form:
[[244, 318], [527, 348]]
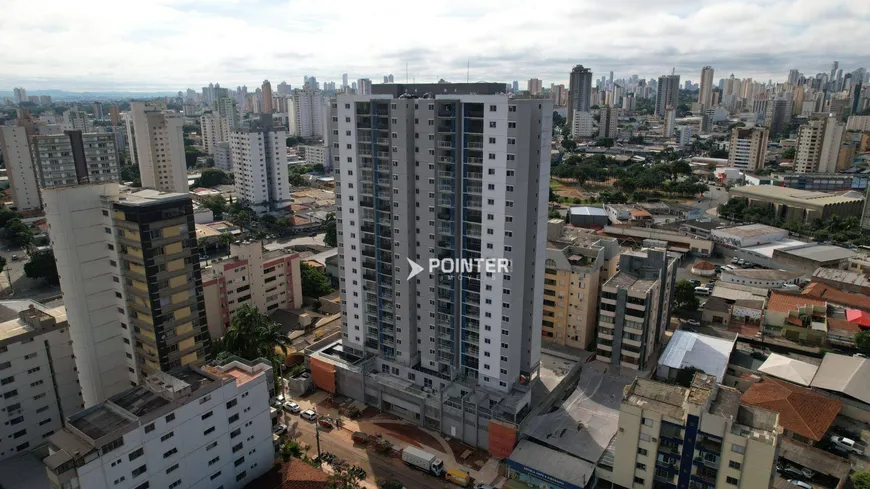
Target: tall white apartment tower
[[818, 146], [364, 86], [20, 168], [308, 112], [259, 156], [74, 120], [705, 95], [456, 176], [159, 147]]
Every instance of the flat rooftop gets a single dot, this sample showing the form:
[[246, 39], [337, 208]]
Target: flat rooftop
[[766, 250], [751, 230], [554, 463], [763, 274], [665, 399], [588, 211], [138, 401], [791, 195], [625, 280], [150, 197], [11, 324], [844, 276], [100, 420], [821, 253], [706, 353]]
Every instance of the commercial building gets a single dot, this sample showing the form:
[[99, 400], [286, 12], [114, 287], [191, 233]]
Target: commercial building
[[268, 280], [705, 93], [667, 94], [688, 351], [748, 235], [811, 256], [700, 436], [193, 428], [818, 146], [20, 169], [72, 158], [748, 148], [799, 205], [259, 153], [579, 93], [608, 124], [38, 381], [635, 308], [767, 279], [157, 139], [588, 217]]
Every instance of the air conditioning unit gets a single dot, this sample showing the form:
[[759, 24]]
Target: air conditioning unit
[[655, 440]]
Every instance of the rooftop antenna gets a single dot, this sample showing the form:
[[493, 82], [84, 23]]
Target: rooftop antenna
[[468, 71], [673, 71]]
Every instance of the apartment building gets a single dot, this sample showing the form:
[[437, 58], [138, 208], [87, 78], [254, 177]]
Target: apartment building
[[309, 113], [74, 120], [74, 157], [818, 146], [582, 125], [315, 154], [696, 437], [268, 280], [635, 308], [572, 281], [223, 156], [667, 94], [777, 115], [191, 428], [579, 93], [38, 380], [215, 129], [608, 125], [157, 139], [23, 180], [228, 110], [748, 148], [259, 153]]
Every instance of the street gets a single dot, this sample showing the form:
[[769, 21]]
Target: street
[[22, 287]]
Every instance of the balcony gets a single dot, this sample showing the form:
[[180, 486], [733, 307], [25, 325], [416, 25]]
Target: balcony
[[473, 189], [474, 161], [474, 144], [446, 144]]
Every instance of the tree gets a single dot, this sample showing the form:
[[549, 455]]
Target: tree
[[226, 239], [42, 265], [342, 477], [719, 153], [292, 141], [635, 140], [6, 215], [191, 155], [862, 341], [315, 283], [392, 484], [606, 142], [2, 263], [211, 177], [216, 203], [289, 450], [253, 335], [569, 144], [19, 233], [331, 238], [861, 480], [595, 107], [297, 180], [130, 173], [684, 296], [788, 153]]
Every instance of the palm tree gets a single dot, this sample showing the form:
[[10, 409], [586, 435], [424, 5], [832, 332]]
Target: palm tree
[[225, 239], [253, 335]]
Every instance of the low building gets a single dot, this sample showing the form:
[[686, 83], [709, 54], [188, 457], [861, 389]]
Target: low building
[[845, 378], [702, 228], [268, 280], [190, 428], [688, 350], [587, 217], [38, 380], [748, 235], [700, 436], [788, 369], [847, 281], [811, 256], [767, 279], [677, 241], [796, 317], [799, 205], [704, 269], [805, 415], [836, 296]]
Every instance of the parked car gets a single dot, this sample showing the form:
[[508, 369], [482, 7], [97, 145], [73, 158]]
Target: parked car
[[792, 471], [308, 415], [847, 445], [694, 282], [279, 429], [359, 437], [292, 407], [693, 322], [14, 257], [735, 260], [801, 484]]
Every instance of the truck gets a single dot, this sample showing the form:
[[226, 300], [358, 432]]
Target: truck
[[458, 477], [847, 445], [422, 460]]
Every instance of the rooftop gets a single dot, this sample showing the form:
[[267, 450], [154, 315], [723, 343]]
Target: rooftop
[[751, 230], [665, 399], [785, 301], [708, 225], [801, 410], [100, 420], [625, 280], [706, 353], [734, 292], [846, 277], [13, 325], [150, 197], [791, 195], [588, 211], [763, 274], [767, 249], [552, 463], [790, 369], [844, 374], [835, 296], [821, 253]]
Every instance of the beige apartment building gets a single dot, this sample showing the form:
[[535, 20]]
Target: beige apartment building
[[268, 280], [576, 266], [748, 148], [701, 436]]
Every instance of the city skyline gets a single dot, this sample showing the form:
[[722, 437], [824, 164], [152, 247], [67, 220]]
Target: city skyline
[[87, 50]]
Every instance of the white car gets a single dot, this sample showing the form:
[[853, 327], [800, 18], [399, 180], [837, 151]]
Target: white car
[[308, 415], [801, 484], [291, 407], [693, 322], [279, 429]]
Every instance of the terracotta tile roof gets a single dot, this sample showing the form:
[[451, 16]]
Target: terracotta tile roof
[[836, 296], [801, 411], [704, 265], [834, 323], [785, 302], [299, 475]]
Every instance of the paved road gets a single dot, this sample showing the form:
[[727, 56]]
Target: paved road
[[24, 288]]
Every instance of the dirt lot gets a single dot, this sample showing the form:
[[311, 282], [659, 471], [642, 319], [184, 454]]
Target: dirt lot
[[407, 433], [474, 461]]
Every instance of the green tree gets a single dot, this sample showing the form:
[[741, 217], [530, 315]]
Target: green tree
[[2, 263], [343, 478], [788, 153], [216, 203], [331, 238], [861, 480], [292, 141], [606, 142], [42, 265], [289, 450], [211, 177], [719, 153], [19, 233], [253, 335], [569, 144], [6, 215], [684, 296], [130, 173], [315, 283], [226, 239], [192, 154], [862, 341], [298, 180]]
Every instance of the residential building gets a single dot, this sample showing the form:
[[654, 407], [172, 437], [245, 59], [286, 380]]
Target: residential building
[[72, 158], [818, 146], [559, 95], [38, 381], [571, 285], [19, 95], [309, 113], [804, 415], [259, 153], [215, 129], [800, 205], [582, 126], [74, 120], [748, 148], [315, 154], [700, 436], [196, 428], [226, 108], [223, 156], [684, 136], [20, 169], [777, 116], [115, 115], [635, 308], [860, 123], [667, 94], [705, 94], [535, 86], [267, 97], [670, 117], [98, 111], [608, 124], [268, 280], [364, 86], [157, 138]]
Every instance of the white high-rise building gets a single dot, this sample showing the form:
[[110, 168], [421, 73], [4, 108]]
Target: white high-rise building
[[192, 428], [259, 154], [670, 122], [364, 86], [583, 126], [223, 156], [72, 158], [74, 120], [705, 95], [309, 111], [20, 169], [19, 95], [667, 94], [684, 136], [158, 141], [215, 129], [748, 148], [38, 382]]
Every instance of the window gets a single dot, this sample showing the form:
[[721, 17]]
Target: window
[[638, 480], [491, 123], [241, 475], [647, 422], [208, 431], [236, 448], [642, 451], [149, 428], [136, 454], [214, 461], [171, 469], [233, 418], [732, 481], [737, 448], [211, 445], [205, 399], [232, 403], [170, 453], [215, 475], [236, 432], [734, 465], [169, 417], [167, 436], [139, 471], [240, 461], [175, 484], [645, 437], [640, 466], [207, 415]]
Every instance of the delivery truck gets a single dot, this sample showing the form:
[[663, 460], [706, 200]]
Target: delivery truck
[[458, 477], [422, 460]]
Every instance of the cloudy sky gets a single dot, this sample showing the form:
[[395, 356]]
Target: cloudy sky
[[144, 45]]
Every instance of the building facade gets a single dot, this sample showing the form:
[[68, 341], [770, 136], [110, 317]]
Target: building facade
[[705, 94], [74, 120], [748, 148], [582, 125], [608, 124], [777, 116], [72, 158], [667, 94], [308, 114], [818, 146], [157, 138], [259, 153], [193, 428], [223, 156], [20, 169]]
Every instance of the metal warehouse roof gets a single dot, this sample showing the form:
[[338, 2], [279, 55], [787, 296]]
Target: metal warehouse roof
[[706, 353]]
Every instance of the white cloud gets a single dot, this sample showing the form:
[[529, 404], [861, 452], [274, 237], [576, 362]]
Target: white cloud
[[175, 44]]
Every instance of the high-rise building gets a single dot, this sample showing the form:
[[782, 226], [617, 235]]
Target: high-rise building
[[670, 117], [214, 129], [259, 153], [478, 196], [228, 109], [192, 428], [608, 124], [535, 86], [668, 94], [284, 89], [748, 148], [705, 94], [364, 86], [19, 95], [818, 146], [582, 126], [20, 169], [684, 136], [98, 110], [777, 115], [115, 115], [309, 112], [223, 156], [72, 158], [267, 97], [157, 138], [700, 436], [636, 308], [558, 94], [39, 381], [74, 120], [834, 67], [267, 280], [44, 99], [344, 81], [793, 77], [579, 91]]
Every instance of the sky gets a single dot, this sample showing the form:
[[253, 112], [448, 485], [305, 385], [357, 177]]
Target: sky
[[150, 45]]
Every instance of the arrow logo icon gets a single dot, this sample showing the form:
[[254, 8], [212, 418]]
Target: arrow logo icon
[[415, 269]]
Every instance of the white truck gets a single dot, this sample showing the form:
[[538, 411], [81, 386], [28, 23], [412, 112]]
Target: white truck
[[847, 445], [422, 460]]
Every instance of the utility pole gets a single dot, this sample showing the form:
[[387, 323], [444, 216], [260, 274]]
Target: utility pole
[[317, 437]]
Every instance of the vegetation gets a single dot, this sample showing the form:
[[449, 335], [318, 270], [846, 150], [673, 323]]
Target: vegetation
[[392, 484], [191, 155], [226, 239], [343, 478], [297, 172], [42, 265], [331, 238], [569, 144], [606, 142], [2, 263], [862, 342], [861, 480], [315, 282], [635, 140], [215, 203], [719, 153], [18, 233], [684, 296], [130, 173], [788, 153], [7, 215], [212, 177], [672, 177], [253, 335], [292, 141], [289, 450]]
